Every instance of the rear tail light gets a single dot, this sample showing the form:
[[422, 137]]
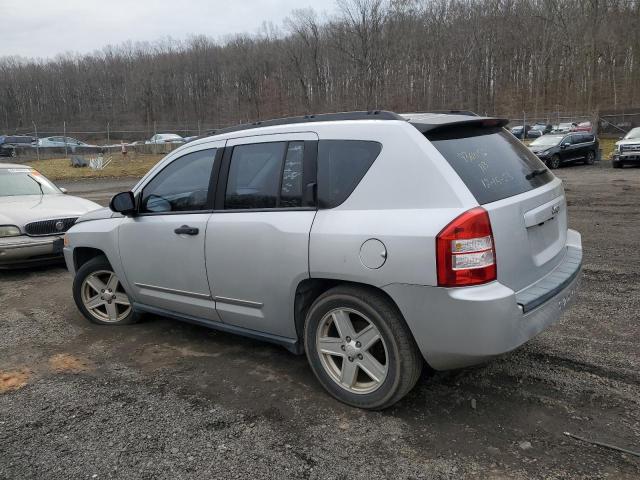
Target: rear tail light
[[465, 251]]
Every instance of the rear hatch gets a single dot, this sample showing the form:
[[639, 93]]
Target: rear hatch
[[525, 201]]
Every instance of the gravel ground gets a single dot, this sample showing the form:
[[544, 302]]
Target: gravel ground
[[163, 399]]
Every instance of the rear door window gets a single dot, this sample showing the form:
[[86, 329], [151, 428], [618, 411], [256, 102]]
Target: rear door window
[[491, 162], [254, 176], [341, 166]]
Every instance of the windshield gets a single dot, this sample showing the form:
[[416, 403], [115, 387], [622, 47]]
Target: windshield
[[633, 134], [170, 136], [547, 140], [24, 181]]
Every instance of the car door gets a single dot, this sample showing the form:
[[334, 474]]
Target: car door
[[568, 148], [162, 248], [257, 245], [584, 145]]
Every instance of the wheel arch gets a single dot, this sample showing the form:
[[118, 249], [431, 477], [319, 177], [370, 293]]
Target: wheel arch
[[82, 255], [309, 289]]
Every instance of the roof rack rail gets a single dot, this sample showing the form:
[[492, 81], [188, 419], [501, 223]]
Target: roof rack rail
[[321, 117], [456, 112]]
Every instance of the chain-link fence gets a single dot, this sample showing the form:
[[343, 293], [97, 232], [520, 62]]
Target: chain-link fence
[[52, 142], [65, 140]]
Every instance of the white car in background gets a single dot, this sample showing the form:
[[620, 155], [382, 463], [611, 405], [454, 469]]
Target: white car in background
[[34, 215], [61, 142], [162, 138], [627, 151]]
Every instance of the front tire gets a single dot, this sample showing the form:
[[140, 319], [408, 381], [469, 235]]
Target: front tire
[[554, 162], [100, 296], [616, 164], [360, 348]]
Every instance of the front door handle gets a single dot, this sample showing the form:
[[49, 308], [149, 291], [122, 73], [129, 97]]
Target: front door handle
[[186, 230]]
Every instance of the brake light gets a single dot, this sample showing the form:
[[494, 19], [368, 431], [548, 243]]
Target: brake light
[[465, 251]]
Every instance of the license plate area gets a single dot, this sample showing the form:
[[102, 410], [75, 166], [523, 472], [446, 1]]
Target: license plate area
[[58, 245]]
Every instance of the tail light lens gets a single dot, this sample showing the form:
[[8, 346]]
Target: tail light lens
[[465, 251]]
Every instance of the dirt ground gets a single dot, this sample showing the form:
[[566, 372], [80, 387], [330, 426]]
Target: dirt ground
[[163, 399]]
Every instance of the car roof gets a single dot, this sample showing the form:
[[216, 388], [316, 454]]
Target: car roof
[[423, 121]]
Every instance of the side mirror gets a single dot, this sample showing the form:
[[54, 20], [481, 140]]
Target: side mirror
[[123, 203], [566, 144], [63, 190]]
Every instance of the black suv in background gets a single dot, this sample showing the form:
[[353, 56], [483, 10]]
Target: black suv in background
[[9, 144], [555, 150]]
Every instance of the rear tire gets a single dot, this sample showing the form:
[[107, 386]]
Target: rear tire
[[554, 162], [100, 296], [591, 158], [360, 348]]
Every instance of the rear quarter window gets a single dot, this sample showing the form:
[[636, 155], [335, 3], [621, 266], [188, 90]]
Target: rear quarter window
[[341, 166], [491, 162]]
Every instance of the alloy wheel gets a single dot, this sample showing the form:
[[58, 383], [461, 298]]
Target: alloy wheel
[[104, 297], [352, 350]]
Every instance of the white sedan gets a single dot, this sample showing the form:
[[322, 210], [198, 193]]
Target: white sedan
[[34, 214], [162, 138]]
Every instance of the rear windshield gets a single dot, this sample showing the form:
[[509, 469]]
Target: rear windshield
[[491, 162]]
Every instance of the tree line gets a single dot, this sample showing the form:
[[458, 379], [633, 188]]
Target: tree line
[[498, 57]]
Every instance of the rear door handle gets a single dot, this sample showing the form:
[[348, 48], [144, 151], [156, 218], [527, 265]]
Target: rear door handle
[[186, 230]]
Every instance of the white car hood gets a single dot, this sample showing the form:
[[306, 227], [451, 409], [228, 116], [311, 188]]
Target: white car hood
[[631, 141], [22, 209]]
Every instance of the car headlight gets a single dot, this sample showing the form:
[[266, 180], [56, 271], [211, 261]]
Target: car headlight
[[9, 231]]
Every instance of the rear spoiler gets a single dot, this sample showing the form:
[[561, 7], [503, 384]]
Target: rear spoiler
[[457, 121]]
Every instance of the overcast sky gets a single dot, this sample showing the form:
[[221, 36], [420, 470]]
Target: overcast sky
[[44, 28]]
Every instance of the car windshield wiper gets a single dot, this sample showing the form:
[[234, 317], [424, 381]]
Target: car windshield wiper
[[536, 173], [39, 184]]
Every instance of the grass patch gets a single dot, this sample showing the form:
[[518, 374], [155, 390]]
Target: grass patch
[[61, 169], [607, 145]]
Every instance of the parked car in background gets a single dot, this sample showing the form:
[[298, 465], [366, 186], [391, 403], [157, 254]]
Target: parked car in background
[[162, 138], [34, 214], [564, 127], [627, 151], [540, 129], [534, 133], [369, 240], [583, 127], [554, 150], [521, 132], [62, 142], [9, 144]]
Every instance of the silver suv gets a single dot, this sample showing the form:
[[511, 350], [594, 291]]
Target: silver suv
[[369, 240]]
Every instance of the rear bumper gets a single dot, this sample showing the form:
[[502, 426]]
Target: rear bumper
[[23, 250], [458, 327]]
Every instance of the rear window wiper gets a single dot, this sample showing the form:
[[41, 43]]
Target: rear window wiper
[[535, 173]]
